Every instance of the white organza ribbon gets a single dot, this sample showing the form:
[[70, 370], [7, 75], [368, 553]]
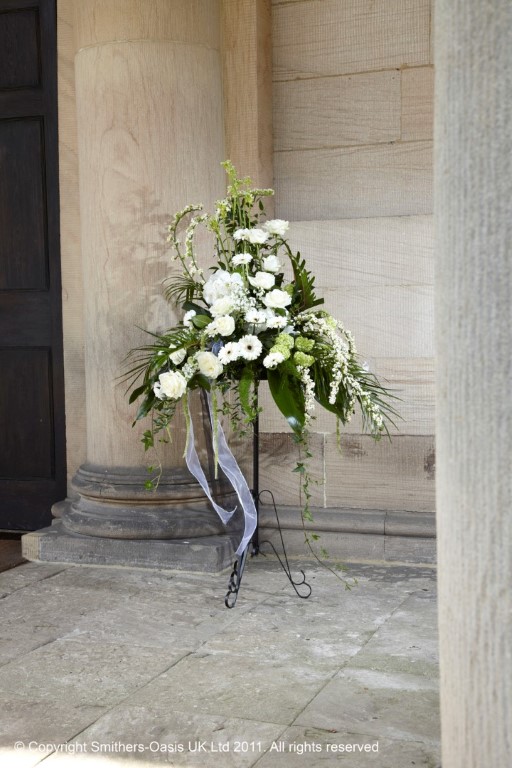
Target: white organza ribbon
[[229, 466]]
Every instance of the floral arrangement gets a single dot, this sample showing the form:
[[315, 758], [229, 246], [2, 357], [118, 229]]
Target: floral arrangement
[[245, 322]]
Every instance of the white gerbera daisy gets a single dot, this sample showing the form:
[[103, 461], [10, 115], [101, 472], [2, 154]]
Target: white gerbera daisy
[[229, 352], [250, 347]]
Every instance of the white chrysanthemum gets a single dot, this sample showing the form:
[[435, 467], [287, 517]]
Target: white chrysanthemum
[[209, 365], [250, 347], [271, 264], [273, 359], [255, 316], [255, 236], [178, 356], [172, 384], [241, 258], [262, 280], [277, 299], [229, 352], [222, 306], [187, 318], [277, 227]]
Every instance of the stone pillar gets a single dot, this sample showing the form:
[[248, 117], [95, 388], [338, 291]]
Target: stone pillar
[[150, 140], [473, 190]]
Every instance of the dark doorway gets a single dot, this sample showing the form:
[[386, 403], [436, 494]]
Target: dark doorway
[[32, 431]]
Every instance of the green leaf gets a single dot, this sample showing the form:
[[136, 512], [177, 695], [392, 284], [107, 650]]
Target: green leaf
[[201, 321], [244, 389], [286, 390], [137, 393]]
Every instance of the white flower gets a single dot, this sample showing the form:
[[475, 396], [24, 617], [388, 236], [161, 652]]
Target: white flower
[[209, 365], [255, 236], [277, 299], [219, 285], [241, 258], [271, 264], [255, 316], [250, 347], [225, 325], [229, 352], [157, 389], [275, 321], [188, 317], [273, 359], [276, 227], [222, 306], [172, 384], [262, 280], [178, 356]]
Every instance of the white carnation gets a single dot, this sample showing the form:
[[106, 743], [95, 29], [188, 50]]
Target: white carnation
[[209, 365], [276, 227], [172, 384], [271, 264], [277, 299], [241, 258], [275, 321], [273, 359], [255, 236], [250, 347], [187, 319], [262, 280], [255, 316]]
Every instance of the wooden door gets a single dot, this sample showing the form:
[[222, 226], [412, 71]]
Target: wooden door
[[32, 436]]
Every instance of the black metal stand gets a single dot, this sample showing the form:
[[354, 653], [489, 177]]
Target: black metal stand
[[237, 573]]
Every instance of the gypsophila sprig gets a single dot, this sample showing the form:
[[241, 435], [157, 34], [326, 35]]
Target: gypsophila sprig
[[245, 322]]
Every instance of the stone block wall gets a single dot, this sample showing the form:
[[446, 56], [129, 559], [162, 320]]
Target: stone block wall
[[352, 114]]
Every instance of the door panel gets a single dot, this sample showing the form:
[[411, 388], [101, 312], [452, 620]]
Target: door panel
[[32, 432]]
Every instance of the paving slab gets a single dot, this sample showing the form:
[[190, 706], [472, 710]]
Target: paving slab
[[178, 739], [375, 703], [118, 656], [83, 673]]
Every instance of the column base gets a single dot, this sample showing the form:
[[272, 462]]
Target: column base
[[206, 554]]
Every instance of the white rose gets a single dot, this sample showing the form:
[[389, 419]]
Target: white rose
[[221, 306], [187, 319], [277, 299], [271, 264], [262, 280], [178, 356], [172, 384], [225, 325], [241, 258], [209, 365], [277, 227]]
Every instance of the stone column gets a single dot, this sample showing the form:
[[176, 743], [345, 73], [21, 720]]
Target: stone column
[[473, 192], [150, 139]]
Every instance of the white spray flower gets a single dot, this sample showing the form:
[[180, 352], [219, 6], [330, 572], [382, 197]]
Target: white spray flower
[[187, 319], [273, 359], [255, 236], [271, 264]]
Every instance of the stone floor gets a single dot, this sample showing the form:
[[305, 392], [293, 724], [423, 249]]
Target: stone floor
[[112, 667]]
